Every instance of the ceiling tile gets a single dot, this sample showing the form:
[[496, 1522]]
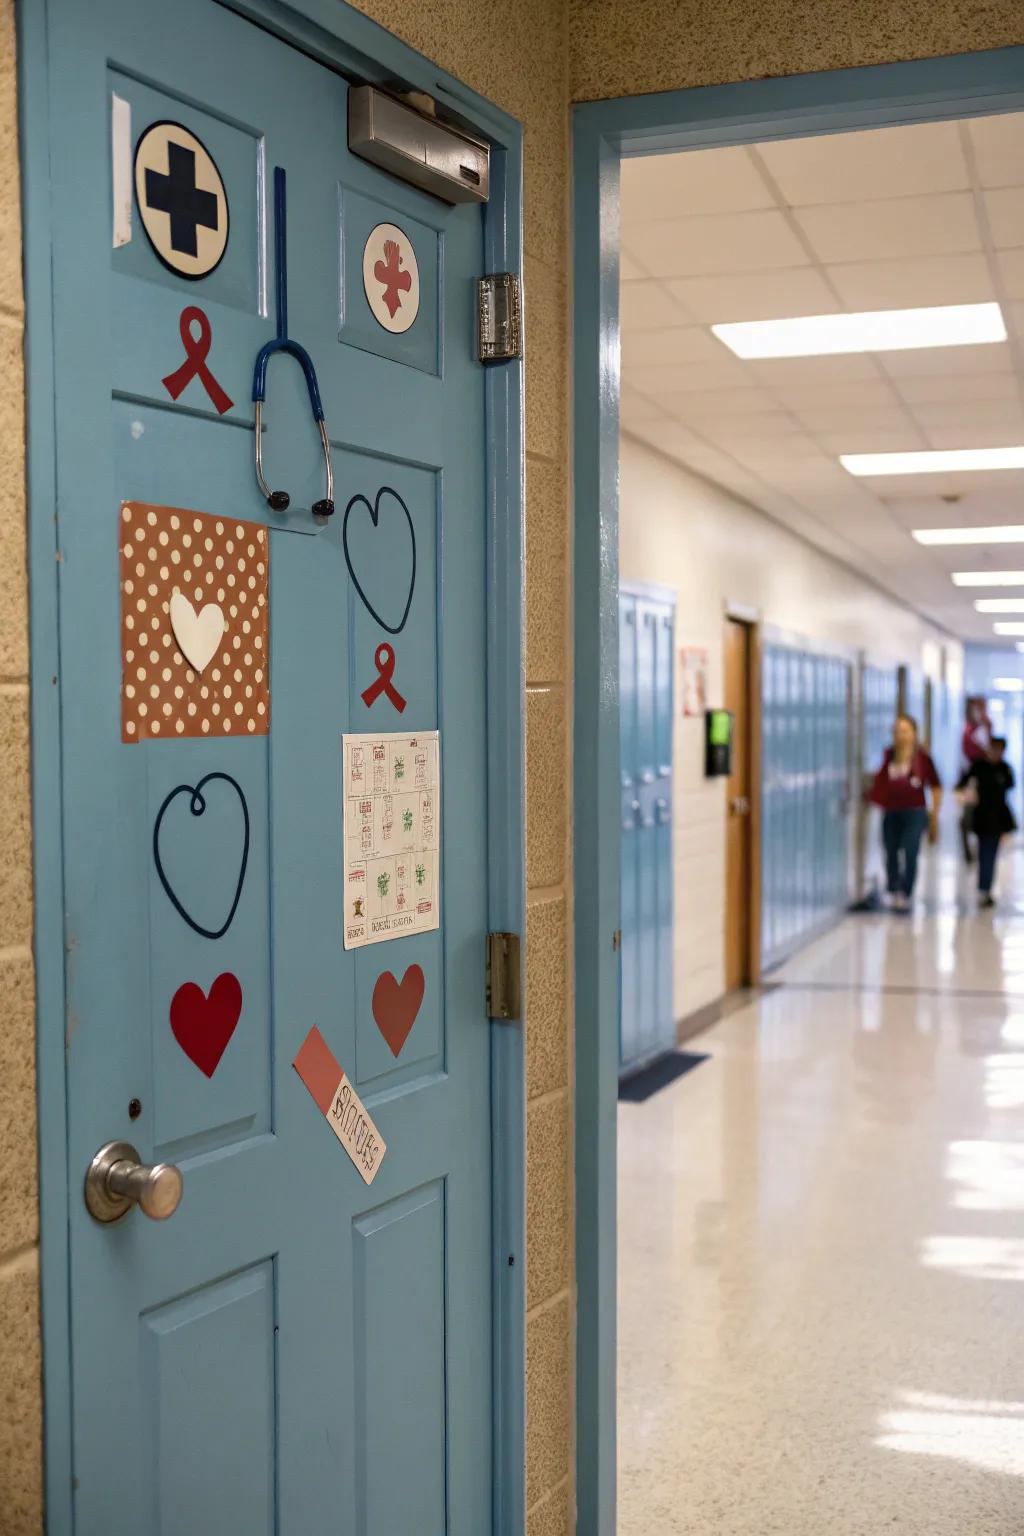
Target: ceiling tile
[[647, 306], [1010, 265], [668, 436], [998, 149], [775, 295], [770, 427], [634, 407], [720, 403], [931, 361], [728, 242], [629, 270], [957, 387], [1005, 210], [887, 162], [966, 434], [706, 460], [967, 412], [795, 372], [676, 344], [785, 458], [919, 504], [896, 438], [800, 392], [657, 380], [693, 182], [908, 283], [912, 226], [876, 418]]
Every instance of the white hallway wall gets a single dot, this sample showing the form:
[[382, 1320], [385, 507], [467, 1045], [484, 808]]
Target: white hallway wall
[[713, 551]]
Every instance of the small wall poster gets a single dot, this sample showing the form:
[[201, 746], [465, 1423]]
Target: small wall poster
[[392, 834], [693, 679]]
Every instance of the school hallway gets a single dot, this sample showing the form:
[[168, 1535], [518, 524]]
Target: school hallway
[[821, 1242]]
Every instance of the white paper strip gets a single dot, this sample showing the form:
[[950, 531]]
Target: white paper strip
[[121, 160]]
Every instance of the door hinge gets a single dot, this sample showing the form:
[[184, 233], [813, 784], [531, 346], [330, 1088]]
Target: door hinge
[[504, 980], [499, 317], [617, 940]]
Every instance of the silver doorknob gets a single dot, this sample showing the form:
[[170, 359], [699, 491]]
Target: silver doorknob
[[116, 1180]]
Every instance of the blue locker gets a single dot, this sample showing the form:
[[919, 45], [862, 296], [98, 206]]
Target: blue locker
[[646, 651], [804, 755]]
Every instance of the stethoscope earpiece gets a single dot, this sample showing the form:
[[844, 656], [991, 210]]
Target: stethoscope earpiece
[[279, 501]]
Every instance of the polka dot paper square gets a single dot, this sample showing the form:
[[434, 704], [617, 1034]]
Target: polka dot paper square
[[194, 625]]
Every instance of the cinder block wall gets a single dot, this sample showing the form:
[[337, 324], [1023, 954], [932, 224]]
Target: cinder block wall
[[631, 47], [20, 1404]]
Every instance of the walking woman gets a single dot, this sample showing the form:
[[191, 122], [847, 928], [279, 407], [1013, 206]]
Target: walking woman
[[991, 778], [899, 788]]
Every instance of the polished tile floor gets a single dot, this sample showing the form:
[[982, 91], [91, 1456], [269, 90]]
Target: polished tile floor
[[821, 1239]]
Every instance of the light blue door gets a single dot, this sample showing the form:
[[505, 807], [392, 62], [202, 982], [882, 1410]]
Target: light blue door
[[295, 1350], [646, 649]]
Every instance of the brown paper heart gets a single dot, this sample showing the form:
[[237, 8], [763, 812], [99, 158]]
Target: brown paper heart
[[396, 1004]]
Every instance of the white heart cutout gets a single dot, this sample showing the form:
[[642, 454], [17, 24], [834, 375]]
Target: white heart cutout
[[198, 634]]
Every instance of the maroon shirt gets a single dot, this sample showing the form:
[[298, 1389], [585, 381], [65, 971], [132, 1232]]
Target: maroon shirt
[[904, 791]]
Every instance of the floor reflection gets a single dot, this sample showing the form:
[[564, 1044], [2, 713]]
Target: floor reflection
[[828, 1209]]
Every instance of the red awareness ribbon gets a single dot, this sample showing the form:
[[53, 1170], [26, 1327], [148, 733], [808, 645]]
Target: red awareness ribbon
[[197, 350], [384, 661]]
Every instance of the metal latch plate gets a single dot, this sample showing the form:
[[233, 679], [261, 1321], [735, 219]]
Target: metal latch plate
[[504, 978], [500, 317]]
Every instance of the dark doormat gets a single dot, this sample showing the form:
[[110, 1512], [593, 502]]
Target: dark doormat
[[639, 1088]]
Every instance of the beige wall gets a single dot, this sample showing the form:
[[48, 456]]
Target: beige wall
[[713, 550], [629, 47]]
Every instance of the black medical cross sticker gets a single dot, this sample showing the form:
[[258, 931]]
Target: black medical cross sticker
[[176, 194]]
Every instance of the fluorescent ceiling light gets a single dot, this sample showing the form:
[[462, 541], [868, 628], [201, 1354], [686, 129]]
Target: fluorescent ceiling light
[[1001, 533], [933, 461], [1000, 604], [986, 578], [1010, 628], [1009, 684], [873, 330]]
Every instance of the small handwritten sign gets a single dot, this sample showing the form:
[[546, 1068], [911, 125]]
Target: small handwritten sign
[[340, 1105]]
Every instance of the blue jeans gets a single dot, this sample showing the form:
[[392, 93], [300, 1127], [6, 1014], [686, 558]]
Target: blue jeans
[[902, 832], [988, 849]]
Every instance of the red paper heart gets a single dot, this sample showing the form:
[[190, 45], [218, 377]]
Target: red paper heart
[[203, 1025], [395, 1005]]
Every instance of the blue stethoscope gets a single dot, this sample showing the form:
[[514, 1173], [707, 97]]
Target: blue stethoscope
[[279, 501]]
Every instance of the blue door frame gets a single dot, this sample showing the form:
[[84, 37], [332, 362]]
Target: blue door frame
[[339, 36], [709, 117]]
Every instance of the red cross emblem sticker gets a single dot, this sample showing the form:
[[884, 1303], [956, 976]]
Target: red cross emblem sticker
[[391, 278]]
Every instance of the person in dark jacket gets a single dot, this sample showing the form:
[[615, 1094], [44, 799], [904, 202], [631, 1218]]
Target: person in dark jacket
[[899, 788], [991, 779], [973, 748]]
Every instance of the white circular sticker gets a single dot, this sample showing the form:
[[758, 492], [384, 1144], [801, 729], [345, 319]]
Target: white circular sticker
[[391, 277], [181, 198]]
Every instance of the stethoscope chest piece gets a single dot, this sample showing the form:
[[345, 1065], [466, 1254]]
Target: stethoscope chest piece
[[280, 501]]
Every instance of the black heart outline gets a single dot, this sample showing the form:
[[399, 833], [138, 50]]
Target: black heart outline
[[198, 806], [374, 512]]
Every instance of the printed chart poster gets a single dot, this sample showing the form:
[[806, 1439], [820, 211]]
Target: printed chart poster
[[392, 794]]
